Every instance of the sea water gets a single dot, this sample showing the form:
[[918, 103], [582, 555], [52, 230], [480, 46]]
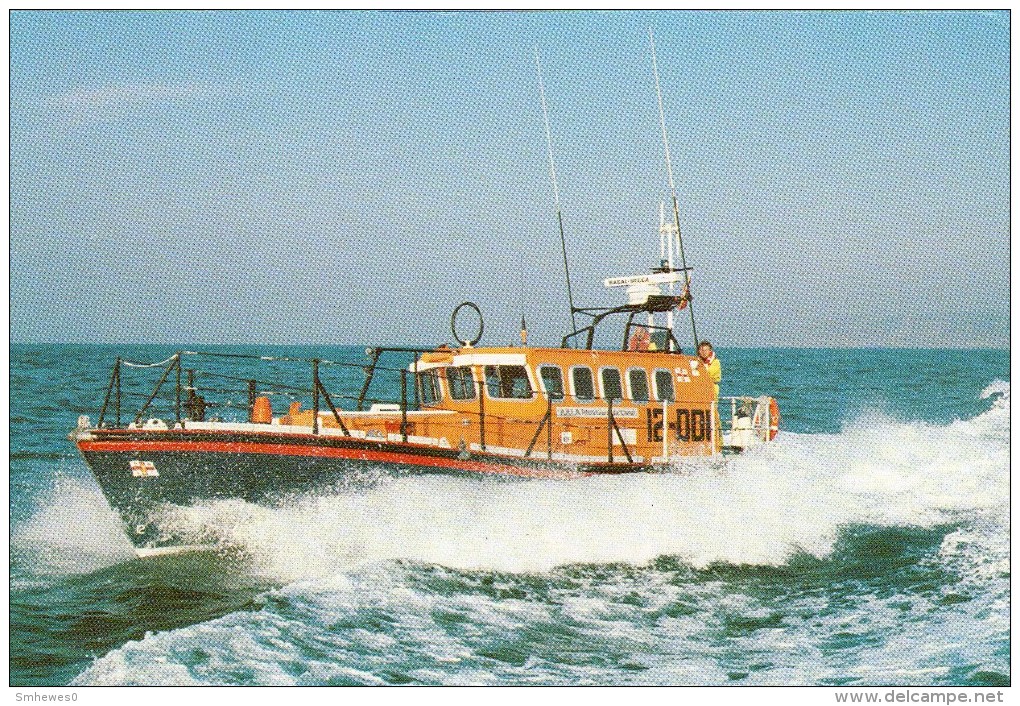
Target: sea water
[[867, 546]]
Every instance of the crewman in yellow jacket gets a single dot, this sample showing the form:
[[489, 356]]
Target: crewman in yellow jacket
[[711, 364]]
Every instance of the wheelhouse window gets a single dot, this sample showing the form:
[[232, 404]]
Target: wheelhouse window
[[552, 381], [584, 383], [612, 385], [638, 380], [428, 387], [664, 386], [461, 382], [507, 382], [659, 341]]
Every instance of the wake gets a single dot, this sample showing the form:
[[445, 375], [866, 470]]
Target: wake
[[791, 497]]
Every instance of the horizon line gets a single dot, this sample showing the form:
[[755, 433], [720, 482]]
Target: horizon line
[[384, 345]]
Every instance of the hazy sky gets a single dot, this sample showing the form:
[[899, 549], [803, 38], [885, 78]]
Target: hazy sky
[[349, 177]]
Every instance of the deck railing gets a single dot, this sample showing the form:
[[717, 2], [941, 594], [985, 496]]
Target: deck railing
[[750, 420], [188, 403]]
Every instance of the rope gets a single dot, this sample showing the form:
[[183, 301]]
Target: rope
[[288, 359], [264, 383], [248, 356], [136, 364]]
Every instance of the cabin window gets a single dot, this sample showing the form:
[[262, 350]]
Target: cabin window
[[552, 381], [507, 382], [428, 387], [638, 380], [461, 383], [584, 383], [612, 385], [664, 386], [660, 341]]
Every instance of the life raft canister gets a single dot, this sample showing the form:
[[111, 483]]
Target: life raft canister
[[262, 411]]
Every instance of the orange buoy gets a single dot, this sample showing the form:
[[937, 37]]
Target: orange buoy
[[262, 411], [773, 418]]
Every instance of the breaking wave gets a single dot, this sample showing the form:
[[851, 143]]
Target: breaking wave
[[821, 559], [74, 532], [762, 508]]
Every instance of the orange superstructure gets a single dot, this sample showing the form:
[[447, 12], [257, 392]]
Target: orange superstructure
[[551, 403]]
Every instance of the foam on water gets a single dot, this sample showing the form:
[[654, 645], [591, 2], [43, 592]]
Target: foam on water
[[74, 532], [444, 580], [394, 622], [790, 498]]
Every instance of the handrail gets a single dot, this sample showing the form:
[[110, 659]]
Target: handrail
[[177, 396], [481, 412], [598, 314], [369, 374], [291, 359], [589, 329], [333, 396], [332, 408], [315, 396], [615, 428], [403, 405], [114, 377], [319, 389], [546, 419], [748, 409], [176, 362], [184, 410]]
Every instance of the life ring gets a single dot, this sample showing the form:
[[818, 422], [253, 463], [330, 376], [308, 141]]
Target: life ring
[[453, 324], [639, 340], [758, 420]]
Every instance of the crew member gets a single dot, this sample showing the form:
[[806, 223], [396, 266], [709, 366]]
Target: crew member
[[711, 364]]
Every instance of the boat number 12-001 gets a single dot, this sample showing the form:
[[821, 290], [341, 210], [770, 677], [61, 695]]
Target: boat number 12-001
[[689, 424]]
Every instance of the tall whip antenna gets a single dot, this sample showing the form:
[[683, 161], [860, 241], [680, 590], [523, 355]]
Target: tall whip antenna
[[672, 188], [556, 189]]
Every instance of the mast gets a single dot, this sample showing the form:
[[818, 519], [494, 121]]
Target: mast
[[556, 190], [667, 231], [662, 234], [672, 189]]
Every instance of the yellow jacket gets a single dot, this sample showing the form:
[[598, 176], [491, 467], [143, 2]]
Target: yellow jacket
[[714, 370]]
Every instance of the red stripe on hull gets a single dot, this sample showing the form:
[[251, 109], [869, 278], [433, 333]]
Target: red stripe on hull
[[234, 447]]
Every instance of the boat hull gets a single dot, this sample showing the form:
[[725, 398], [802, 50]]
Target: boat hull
[[142, 472]]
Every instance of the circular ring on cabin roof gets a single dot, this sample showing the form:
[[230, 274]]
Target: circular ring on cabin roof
[[453, 324]]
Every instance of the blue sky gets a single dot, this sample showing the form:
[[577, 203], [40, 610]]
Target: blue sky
[[307, 177]]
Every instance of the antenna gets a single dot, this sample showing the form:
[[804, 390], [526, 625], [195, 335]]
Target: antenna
[[662, 234], [556, 189], [672, 188]]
